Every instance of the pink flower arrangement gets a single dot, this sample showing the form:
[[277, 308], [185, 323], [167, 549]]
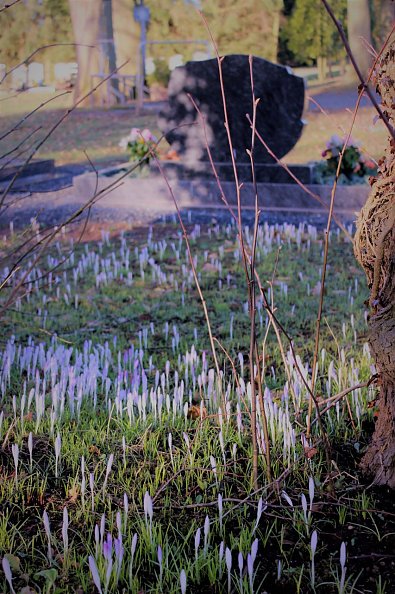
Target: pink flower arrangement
[[140, 144], [353, 164]]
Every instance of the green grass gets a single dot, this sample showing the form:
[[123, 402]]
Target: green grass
[[98, 131], [127, 432]]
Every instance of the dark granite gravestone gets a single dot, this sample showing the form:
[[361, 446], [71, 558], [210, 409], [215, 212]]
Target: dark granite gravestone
[[279, 110]]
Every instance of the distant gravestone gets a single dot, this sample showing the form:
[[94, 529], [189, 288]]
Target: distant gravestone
[[65, 71], [279, 110], [19, 77], [35, 73], [175, 61]]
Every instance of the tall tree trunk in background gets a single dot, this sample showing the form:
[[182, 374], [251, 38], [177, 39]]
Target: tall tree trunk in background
[[126, 36], [85, 18], [360, 33], [108, 49], [374, 247]]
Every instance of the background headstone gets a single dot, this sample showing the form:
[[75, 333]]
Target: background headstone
[[19, 77], [279, 110], [199, 56], [175, 61], [65, 71], [150, 65], [36, 73]]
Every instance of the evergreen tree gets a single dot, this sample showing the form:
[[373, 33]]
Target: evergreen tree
[[310, 34], [249, 27], [174, 20]]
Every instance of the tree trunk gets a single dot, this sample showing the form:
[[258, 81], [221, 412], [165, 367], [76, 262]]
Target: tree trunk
[[126, 36], [374, 247], [109, 50], [322, 64], [85, 18], [360, 33]]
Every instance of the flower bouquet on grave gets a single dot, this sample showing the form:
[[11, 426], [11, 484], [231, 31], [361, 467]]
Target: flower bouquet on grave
[[141, 146], [355, 166]]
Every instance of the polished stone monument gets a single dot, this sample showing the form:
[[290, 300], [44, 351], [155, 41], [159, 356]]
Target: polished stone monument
[[278, 117]]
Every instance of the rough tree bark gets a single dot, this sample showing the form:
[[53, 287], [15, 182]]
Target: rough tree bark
[[85, 18], [109, 49], [374, 247], [126, 36]]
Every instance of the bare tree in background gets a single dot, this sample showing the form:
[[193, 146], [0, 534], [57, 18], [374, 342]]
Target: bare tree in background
[[85, 18], [126, 36], [360, 33], [108, 48]]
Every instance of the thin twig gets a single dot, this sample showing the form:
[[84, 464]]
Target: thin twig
[[52, 129], [247, 266], [9, 5], [327, 231], [254, 356], [297, 181], [195, 276], [32, 112]]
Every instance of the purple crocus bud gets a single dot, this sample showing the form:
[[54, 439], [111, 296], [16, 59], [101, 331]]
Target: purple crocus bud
[[254, 550], [343, 554], [95, 574], [118, 548], [119, 523], [108, 574], [160, 561], [125, 506], [148, 508], [8, 573], [197, 542], [65, 528], [228, 559], [107, 548], [220, 558], [102, 527], [311, 491], [183, 581], [240, 561], [250, 571], [206, 531], [313, 544], [134, 544], [221, 551], [220, 509], [119, 552]]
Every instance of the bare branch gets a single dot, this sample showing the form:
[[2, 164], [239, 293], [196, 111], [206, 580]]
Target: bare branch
[[9, 5], [53, 128], [32, 112]]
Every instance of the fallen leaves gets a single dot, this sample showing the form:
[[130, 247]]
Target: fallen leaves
[[196, 412], [73, 494]]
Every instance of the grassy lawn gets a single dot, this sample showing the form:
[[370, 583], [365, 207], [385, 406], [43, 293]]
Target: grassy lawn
[[125, 462], [98, 131]]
